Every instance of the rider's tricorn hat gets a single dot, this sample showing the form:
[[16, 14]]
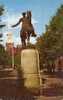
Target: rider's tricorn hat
[[24, 13]]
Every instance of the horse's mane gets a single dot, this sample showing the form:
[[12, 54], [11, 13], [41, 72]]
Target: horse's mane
[[29, 15]]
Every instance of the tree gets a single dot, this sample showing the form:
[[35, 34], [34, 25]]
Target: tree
[[5, 59], [1, 10], [50, 43], [1, 25]]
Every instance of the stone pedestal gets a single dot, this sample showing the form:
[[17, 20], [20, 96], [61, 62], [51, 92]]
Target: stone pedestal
[[30, 67]]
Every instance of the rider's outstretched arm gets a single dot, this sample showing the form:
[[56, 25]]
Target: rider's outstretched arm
[[17, 23]]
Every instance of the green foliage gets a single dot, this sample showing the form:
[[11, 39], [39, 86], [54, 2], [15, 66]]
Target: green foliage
[[17, 59], [50, 44], [5, 59], [30, 46], [1, 25], [1, 10]]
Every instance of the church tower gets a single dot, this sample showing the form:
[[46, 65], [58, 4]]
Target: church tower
[[9, 43]]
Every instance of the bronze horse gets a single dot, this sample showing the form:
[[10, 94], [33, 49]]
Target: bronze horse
[[27, 29]]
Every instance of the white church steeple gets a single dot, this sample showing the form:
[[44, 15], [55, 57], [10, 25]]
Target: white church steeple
[[9, 38]]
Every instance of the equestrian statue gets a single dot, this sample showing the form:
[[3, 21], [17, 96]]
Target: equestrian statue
[[27, 28]]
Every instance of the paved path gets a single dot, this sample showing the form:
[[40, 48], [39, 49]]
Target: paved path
[[12, 85], [53, 87]]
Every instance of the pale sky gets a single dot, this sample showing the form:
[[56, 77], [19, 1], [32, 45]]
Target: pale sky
[[42, 11]]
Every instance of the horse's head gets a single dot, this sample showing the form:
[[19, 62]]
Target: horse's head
[[29, 14]]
